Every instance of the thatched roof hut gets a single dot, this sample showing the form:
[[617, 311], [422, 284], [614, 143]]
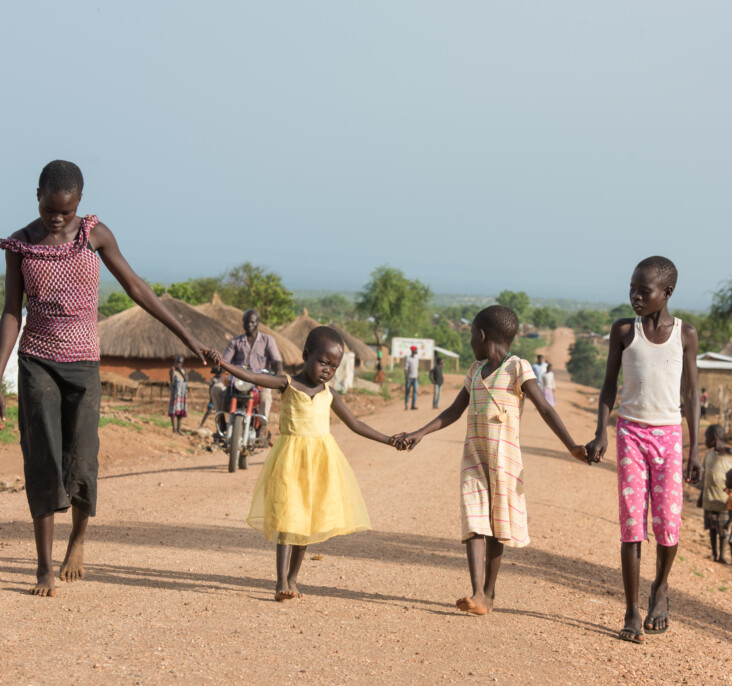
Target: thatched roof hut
[[231, 319], [356, 345], [297, 330], [133, 333]]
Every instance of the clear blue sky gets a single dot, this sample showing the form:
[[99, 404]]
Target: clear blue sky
[[475, 145]]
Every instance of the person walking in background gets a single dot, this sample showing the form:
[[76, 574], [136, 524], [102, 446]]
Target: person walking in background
[[437, 377], [717, 462], [178, 407], [539, 367], [411, 378], [548, 385], [704, 399]]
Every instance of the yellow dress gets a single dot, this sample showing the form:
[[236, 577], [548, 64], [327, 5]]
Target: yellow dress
[[306, 491]]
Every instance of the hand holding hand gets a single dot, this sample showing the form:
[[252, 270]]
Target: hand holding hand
[[596, 449], [397, 441], [214, 357], [579, 452]]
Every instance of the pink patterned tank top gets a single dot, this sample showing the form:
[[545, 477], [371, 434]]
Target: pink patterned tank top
[[61, 283]]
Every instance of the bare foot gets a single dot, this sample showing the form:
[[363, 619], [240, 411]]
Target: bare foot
[[292, 584], [72, 568], [283, 593], [45, 586], [474, 605]]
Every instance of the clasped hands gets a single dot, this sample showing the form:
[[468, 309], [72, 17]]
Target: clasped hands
[[404, 440]]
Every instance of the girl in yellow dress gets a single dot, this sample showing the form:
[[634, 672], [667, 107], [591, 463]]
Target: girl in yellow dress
[[306, 491]]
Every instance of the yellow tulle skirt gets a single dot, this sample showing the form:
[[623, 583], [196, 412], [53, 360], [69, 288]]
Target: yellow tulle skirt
[[307, 493]]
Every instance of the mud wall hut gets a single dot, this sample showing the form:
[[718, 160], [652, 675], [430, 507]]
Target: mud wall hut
[[136, 346]]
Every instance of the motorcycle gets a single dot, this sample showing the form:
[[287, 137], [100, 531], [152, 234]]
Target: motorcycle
[[243, 431]]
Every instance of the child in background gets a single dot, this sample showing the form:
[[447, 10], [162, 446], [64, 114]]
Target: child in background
[[704, 403], [656, 351], [492, 491], [717, 462], [548, 385], [178, 406], [306, 491], [437, 378]]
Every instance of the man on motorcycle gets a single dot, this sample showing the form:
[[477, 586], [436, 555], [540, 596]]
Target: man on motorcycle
[[256, 351]]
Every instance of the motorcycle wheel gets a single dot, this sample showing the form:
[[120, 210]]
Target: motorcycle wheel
[[235, 445], [243, 464]]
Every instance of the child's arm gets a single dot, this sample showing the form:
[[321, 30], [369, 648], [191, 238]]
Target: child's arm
[[106, 244], [445, 418], [356, 425], [596, 448], [692, 410], [264, 380], [550, 416]]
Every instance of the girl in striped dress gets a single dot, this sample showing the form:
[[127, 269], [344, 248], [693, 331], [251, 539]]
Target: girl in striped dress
[[54, 261], [493, 509]]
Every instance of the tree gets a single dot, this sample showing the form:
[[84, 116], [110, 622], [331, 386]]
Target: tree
[[585, 366], [623, 311], [397, 304], [586, 321], [248, 286], [544, 317], [518, 301], [116, 302]]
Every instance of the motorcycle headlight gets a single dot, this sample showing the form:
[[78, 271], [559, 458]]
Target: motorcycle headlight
[[241, 385]]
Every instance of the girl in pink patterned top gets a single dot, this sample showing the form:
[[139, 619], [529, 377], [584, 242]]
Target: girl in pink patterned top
[[54, 261]]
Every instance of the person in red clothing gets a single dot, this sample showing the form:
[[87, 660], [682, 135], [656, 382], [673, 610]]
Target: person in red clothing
[[54, 261]]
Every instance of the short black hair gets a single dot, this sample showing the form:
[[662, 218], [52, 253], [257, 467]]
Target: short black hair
[[498, 322], [665, 268], [716, 430], [61, 176], [322, 334]]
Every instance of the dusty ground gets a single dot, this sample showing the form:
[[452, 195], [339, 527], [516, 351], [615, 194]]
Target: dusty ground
[[178, 589]]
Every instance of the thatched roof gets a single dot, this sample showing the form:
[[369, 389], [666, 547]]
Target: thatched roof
[[230, 318], [297, 330], [133, 333], [355, 345]]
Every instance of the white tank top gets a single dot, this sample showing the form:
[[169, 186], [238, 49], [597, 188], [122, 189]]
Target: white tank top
[[652, 378]]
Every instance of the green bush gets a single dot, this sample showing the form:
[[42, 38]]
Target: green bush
[[586, 366]]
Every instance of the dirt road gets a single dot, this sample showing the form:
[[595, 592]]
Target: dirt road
[[179, 590]]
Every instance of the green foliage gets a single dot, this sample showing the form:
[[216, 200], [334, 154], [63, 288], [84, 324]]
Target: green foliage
[[544, 317], [586, 365], [444, 335], [398, 305], [180, 291], [722, 302], [248, 286], [624, 311], [10, 433], [116, 302], [518, 301], [588, 321], [103, 421], [714, 332], [526, 347], [328, 308]]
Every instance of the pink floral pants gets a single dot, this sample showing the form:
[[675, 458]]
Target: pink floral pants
[[649, 464]]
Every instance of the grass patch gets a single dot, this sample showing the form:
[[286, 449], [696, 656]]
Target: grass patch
[[723, 589], [697, 573], [681, 558], [385, 392], [154, 420], [10, 434], [103, 421]]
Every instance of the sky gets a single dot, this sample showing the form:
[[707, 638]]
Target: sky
[[477, 146]]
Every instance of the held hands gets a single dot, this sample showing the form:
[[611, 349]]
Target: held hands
[[214, 357], [596, 449], [405, 441], [579, 452]]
